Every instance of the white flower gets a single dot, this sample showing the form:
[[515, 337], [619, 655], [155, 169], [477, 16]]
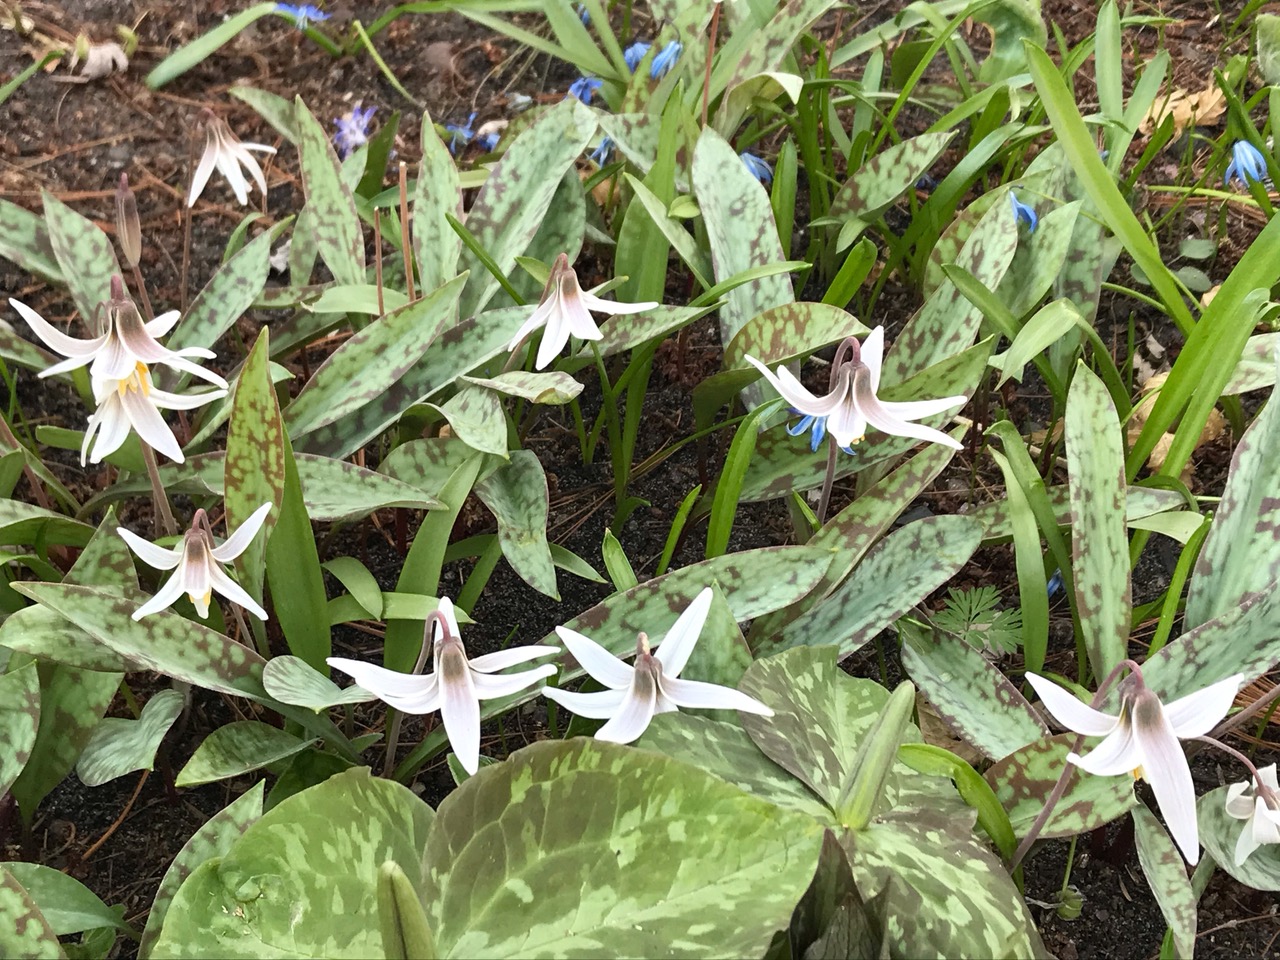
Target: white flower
[[197, 561], [456, 685], [852, 402], [564, 310], [223, 149], [125, 342], [1143, 740], [1261, 812], [131, 402], [651, 687]]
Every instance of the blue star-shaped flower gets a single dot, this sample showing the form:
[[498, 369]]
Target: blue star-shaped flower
[[1055, 584], [819, 427], [1247, 164], [603, 152], [666, 59], [353, 130], [634, 54], [757, 167], [489, 141], [302, 14], [460, 134], [584, 88], [1023, 212]]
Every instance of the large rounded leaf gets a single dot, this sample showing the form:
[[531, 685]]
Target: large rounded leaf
[[1219, 832]]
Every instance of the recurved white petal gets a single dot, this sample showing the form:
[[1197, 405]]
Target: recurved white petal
[[250, 162], [535, 322], [598, 705], [501, 659], [676, 647], [165, 597], [596, 660], [204, 170], [111, 425], [599, 305], [1118, 753], [1239, 805], [239, 541], [54, 338], [878, 416], [554, 337], [184, 401], [489, 686], [1069, 711], [633, 717], [711, 696], [163, 323], [222, 583], [162, 558], [62, 366], [230, 167], [872, 350], [1164, 766], [795, 393], [150, 426], [1248, 840], [407, 692], [460, 707], [1197, 713]]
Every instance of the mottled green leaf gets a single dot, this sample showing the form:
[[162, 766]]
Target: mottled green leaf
[[25, 934], [19, 720], [1167, 875], [271, 107], [1011, 22], [214, 839], [23, 353], [1038, 260], [974, 698], [1140, 503], [750, 52], [597, 877], [299, 882], [901, 572], [790, 330], [24, 239], [293, 680], [226, 297], [625, 332], [237, 748], [1219, 832], [426, 464], [1024, 779], [436, 247], [1256, 367], [67, 904], [552, 387], [362, 298], [85, 257], [511, 206], [1099, 541], [22, 523], [118, 746], [1044, 329], [1241, 554], [561, 231], [516, 494], [879, 182], [478, 419], [44, 634], [335, 224]]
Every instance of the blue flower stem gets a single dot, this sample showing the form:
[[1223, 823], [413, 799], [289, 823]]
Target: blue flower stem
[[382, 64], [829, 480]]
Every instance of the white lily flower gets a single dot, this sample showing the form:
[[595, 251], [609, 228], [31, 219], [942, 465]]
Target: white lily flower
[[125, 343], [1261, 812], [224, 150], [456, 685], [197, 560], [1143, 740], [652, 686], [564, 310], [852, 402], [131, 402]]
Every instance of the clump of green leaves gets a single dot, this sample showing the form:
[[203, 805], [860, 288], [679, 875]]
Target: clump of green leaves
[[974, 615]]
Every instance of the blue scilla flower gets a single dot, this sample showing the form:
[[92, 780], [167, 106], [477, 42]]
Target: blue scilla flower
[[489, 141], [1247, 164], [353, 130], [1054, 586], [583, 14], [1023, 212], [584, 88], [460, 134], [603, 153], [666, 59], [635, 53], [757, 167], [302, 14], [819, 427]]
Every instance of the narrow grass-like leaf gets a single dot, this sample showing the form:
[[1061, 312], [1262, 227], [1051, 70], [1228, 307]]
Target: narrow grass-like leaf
[[184, 58], [1033, 597], [728, 489]]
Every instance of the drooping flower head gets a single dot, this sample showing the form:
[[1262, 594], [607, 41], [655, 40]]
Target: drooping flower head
[[457, 684], [666, 59], [603, 152], [302, 14], [460, 134], [565, 310], [224, 150], [353, 130], [852, 402], [132, 403], [1142, 740], [197, 561], [757, 167], [635, 53], [637, 693], [584, 88], [1023, 212], [1261, 812], [1247, 165]]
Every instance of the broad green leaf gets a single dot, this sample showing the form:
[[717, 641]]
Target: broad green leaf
[[237, 748], [85, 258], [362, 298], [436, 247], [790, 330], [118, 746], [511, 206], [26, 523], [44, 634], [1024, 779], [24, 239], [626, 332], [1099, 542], [552, 387], [675, 232], [271, 107], [292, 680], [1166, 873], [1039, 259], [1037, 334], [1011, 22], [561, 231], [214, 839], [478, 419], [900, 573], [1241, 554], [67, 904], [360, 583], [19, 720], [974, 698], [1256, 367], [1219, 833], [299, 882], [1140, 503], [25, 934], [879, 182], [516, 494], [751, 52], [607, 817], [372, 361], [335, 224], [226, 297], [23, 353], [1268, 31]]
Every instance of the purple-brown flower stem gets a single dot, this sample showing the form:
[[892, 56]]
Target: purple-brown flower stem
[[406, 246], [165, 525], [1233, 752], [711, 49], [396, 717], [186, 225]]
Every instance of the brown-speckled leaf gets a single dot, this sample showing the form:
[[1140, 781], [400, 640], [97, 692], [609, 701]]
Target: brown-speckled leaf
[[227, 295], [334, 223], [24, 932], [1139, 502], [1099, 539], [767, 48], [1024, 779], [789, 331], [975, 699], [635, 135], [902, 571], [1256, 367], [436, 247], [19, 719], [880, 181], [24, 239], [1241, 554], [562, 230], [85, 257], [1166, 872], [552, 387], [478, 419], [516, 494], [26, 523], [1219, 832]]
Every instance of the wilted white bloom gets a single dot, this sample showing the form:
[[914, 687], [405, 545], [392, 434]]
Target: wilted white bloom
[[1143, 741], [224, 150], [456, 685], [652, 686], [100, 60], [131, 402], [852, 402], [197, 561], [1261, 812], [564, 310]]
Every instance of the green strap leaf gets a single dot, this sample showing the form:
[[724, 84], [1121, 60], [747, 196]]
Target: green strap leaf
[[238, 748], [334, 223], [1166, 872], [516, 494], [183, 59], [19, 720]]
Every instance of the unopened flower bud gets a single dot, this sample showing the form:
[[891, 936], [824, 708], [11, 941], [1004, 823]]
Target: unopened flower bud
[[128, 229]]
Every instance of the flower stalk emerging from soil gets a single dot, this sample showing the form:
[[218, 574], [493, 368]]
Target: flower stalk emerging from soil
[[638, 693], [225, 151]]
